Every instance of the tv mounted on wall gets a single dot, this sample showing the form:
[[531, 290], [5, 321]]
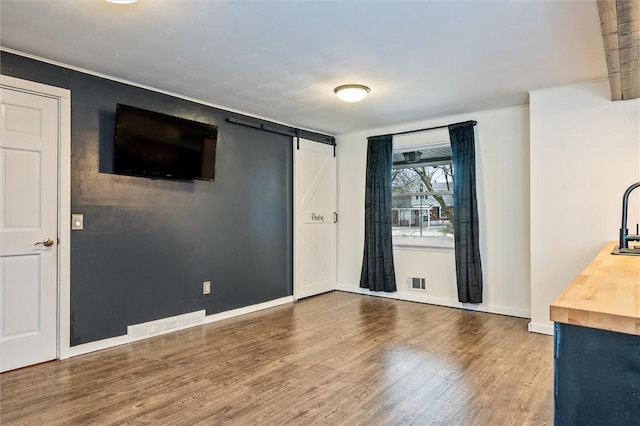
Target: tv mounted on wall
[[158, 145]]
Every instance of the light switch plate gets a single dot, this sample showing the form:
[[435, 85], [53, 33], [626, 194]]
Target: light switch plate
[[77, 222]]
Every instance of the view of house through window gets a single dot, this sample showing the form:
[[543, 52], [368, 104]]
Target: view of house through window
[[422, 195]]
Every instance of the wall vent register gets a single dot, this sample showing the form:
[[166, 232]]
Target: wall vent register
[[417, 283]]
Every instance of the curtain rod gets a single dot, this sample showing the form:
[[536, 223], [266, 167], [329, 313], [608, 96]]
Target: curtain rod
[[473, 123]]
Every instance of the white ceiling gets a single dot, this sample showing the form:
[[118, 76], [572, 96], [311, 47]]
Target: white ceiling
[[281, 59]]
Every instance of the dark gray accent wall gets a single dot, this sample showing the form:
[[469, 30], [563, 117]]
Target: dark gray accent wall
[[149, 244]]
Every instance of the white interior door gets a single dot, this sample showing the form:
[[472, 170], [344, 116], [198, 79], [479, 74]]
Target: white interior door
[[315, 217], [29, 132]]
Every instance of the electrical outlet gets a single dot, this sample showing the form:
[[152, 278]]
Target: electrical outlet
[[77, 221], [206, 287]]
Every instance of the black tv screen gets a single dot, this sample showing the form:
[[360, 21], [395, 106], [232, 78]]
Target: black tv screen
[[158, 145]]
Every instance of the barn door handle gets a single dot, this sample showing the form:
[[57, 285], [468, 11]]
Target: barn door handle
[[48, 242]]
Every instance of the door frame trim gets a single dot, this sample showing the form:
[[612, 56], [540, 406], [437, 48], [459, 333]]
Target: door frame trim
[[295, 143], [63, 96]]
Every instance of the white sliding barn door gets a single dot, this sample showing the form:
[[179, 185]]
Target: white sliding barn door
[[29, 132], [314, 183]]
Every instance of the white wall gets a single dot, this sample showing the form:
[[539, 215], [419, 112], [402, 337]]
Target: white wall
[[584, 154], [502, 147]]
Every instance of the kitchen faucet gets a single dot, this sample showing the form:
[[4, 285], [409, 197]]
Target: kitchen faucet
[[624, 233]]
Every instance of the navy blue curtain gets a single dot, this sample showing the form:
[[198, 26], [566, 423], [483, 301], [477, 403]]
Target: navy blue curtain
[[378, 272], [465, 218]]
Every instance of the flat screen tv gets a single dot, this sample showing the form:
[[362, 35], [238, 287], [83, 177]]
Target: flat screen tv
[[162, 146]]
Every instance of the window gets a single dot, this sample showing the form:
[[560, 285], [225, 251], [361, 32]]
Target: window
[[422, 195]]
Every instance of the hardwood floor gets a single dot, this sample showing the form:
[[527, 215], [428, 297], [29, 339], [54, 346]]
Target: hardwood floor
[[335, 359]]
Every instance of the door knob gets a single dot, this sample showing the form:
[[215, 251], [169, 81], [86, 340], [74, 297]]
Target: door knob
[[47, 242]]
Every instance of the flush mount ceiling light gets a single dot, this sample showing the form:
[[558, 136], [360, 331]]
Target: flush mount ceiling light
[[352, 92], [122, 1]]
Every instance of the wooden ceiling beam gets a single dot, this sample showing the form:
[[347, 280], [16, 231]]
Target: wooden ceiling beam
[[620, 24]]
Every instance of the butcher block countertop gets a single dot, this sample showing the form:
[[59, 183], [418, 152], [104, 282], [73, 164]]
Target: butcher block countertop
[[606, 295]]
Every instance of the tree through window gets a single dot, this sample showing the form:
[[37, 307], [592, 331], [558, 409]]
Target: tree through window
[[422, 194]]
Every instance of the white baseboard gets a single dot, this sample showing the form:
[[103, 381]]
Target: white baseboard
[[158, 327], [423, 298], [247, 309], [98, 345], [541, 328]]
